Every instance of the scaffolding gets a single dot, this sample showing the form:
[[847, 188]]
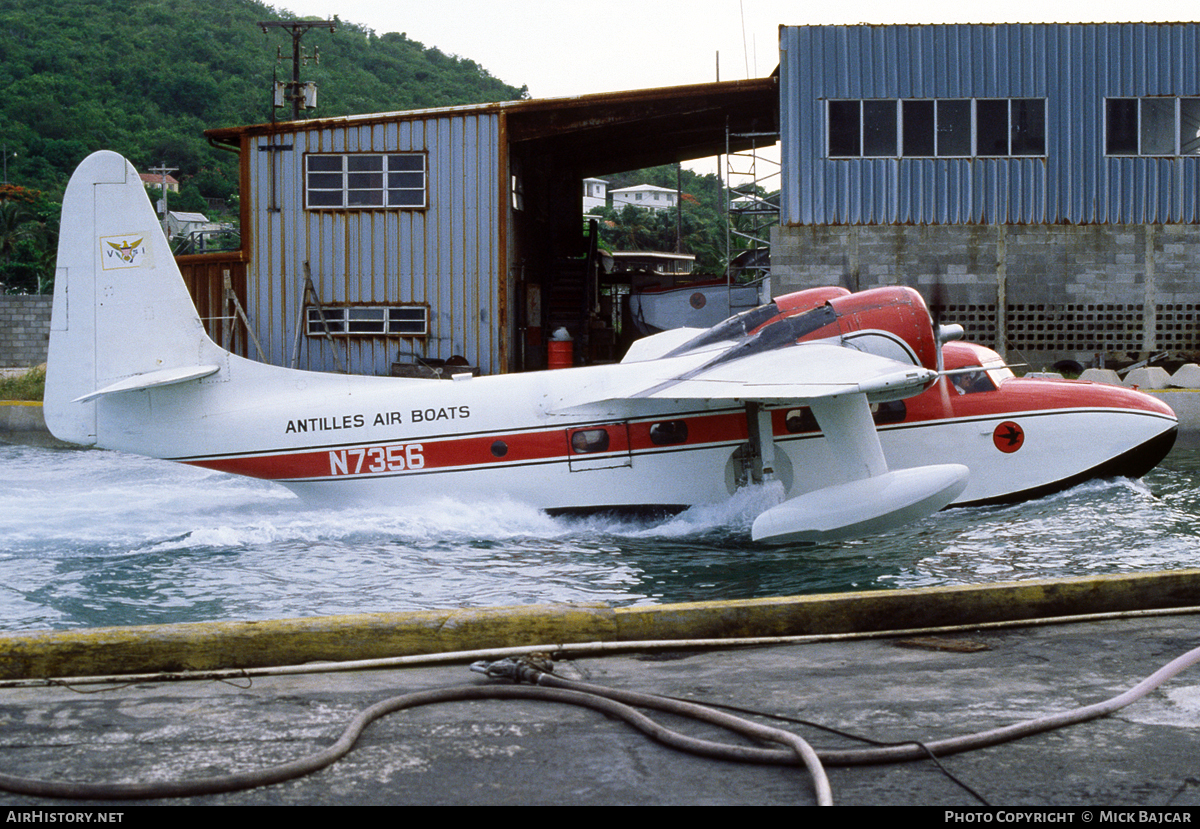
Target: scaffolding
[[752, 183]]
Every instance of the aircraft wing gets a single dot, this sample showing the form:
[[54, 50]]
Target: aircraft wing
[[795, 374]]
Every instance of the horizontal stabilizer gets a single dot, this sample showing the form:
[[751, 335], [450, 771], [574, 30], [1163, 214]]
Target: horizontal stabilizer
[[164, 377], [862, 507]]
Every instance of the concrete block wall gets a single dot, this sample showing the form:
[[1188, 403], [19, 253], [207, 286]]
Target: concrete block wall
[[1074, 264], [1053, 291], [24, 330], [962, 259]]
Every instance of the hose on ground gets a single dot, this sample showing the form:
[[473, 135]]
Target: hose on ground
[[908, 751], [525, 670], [617, 703], [325, 757]]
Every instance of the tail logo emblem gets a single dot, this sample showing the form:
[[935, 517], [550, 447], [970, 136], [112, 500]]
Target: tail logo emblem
[[122, 251]]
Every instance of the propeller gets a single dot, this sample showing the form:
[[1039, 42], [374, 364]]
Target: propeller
[[942, 333]]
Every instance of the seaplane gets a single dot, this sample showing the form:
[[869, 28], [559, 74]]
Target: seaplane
[[858, 410]]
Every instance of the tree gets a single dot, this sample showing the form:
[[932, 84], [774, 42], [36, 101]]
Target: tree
[[28, 242], [702, 223], [145, 79]]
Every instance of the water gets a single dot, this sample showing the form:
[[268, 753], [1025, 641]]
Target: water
[[91, 538]]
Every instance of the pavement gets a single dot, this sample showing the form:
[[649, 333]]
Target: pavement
[[887, 686]]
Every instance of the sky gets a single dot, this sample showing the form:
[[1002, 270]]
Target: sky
[[559, 48], [571, 47]]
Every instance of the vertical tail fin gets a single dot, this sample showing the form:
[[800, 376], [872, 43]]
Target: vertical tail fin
[[120, 307]]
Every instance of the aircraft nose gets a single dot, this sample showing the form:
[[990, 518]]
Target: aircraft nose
[[1142, 458], [1136, 462], [1141, 434]]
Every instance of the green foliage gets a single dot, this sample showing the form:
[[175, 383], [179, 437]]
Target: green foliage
[[702, 226], [188, 200], [28, 241], [146, 78], [29, 386]]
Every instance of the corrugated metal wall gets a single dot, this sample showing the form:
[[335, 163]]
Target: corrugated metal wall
[[1073, 66], [447, 255]]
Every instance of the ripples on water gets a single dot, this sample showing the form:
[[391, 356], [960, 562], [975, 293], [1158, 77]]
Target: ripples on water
[[91, 538]]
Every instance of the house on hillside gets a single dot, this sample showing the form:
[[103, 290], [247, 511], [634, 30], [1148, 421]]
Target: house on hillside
[[595, 193], [446, 233], [648, 196], [156, 181], [1040, 183], [180, 223]]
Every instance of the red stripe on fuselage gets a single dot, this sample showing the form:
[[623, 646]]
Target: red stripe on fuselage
[[473, 451], [450, 452]]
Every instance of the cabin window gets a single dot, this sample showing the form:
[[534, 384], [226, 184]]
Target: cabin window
[[801, 420], [972, 382], [668, 432], [893, 411], [589, 440], [945, 128], [365, 181], [1152, 126], [367, 320]]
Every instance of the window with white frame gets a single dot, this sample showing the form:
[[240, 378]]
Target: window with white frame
[[364, 181], [1152, 126], [944, 127], [367, 321]]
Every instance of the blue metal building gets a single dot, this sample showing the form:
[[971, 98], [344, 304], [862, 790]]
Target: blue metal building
[[1041, 180]]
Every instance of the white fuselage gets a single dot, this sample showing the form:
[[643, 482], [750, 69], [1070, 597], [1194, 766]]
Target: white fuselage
[[343, 439]]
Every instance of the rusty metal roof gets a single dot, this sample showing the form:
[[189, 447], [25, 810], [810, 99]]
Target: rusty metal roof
[[611, 130]]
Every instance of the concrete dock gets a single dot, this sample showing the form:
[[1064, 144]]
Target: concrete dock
[[888, 685]]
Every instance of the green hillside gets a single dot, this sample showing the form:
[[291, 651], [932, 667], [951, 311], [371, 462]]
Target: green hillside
[[147, 77]]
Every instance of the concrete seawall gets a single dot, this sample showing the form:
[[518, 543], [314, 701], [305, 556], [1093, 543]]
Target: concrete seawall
[[1185, 403], [21, 416], [208, 646], [22, 421]]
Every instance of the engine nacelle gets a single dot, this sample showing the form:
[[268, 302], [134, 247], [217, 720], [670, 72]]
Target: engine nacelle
[[890, 322]]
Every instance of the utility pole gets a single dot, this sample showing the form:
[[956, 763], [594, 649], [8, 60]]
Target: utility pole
[[5, 153], [298, 28], [163, 170], [678, 207]]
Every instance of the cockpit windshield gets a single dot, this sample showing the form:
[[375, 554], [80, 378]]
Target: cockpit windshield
[[971, 379], [972, 382]]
